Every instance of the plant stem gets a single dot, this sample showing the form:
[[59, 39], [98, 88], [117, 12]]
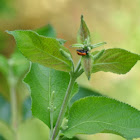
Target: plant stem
[[78, 66], [73, 76], [52, 108], [51, 120], [79, 72], [63, 107], [13, 98]]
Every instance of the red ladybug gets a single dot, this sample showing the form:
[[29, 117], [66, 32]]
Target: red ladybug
[[82, 52]]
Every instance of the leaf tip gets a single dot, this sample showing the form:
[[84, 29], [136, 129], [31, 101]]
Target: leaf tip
[[9, 32]]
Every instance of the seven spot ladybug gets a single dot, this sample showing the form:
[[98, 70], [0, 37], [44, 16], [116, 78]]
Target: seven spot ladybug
[[82, 52]]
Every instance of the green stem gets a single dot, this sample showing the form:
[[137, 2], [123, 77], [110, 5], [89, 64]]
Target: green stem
[[52, 108], [63, 107], [73, 76], [79, 73], [51, 120], [13, 98], [78, 66]]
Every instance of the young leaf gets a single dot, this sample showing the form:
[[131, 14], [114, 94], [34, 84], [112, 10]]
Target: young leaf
[[42, 50], [97, 45], [77, 45], [84, 92], [87, 63], [83, 33], [43, 82], [115, 60], [47, 31], [93, 115]]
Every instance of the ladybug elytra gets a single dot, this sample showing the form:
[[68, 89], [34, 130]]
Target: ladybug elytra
[[82, 52]]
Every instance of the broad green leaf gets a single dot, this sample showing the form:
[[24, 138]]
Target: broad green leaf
[[87, 64], [42, 50], [115, 60], [43, 82], [4, 68], [93, 115], [47, 31], [84, 92], [83, 36], [6, 132], [5, 110], [33, 129]]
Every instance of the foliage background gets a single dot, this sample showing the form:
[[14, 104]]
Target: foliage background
[[114, 21]]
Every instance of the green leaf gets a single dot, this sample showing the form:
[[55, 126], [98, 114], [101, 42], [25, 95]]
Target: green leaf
[[83, 36], [43, 81], [42, 50], [84, 92], [33, 129], [97, 45], [5, 110], [115, 60], [87, 63], [47, 31], [6, 132], [4, 68], [93, 115], [77, 45]]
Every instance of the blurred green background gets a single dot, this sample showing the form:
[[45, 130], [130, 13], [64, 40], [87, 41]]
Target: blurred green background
[[115, 21]]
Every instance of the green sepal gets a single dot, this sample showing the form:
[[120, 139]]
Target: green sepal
[[87, 62], [77, 45], [97, 45], [67, 56], [83, 36]]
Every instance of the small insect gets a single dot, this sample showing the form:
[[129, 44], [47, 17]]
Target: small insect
[[82, 52]]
